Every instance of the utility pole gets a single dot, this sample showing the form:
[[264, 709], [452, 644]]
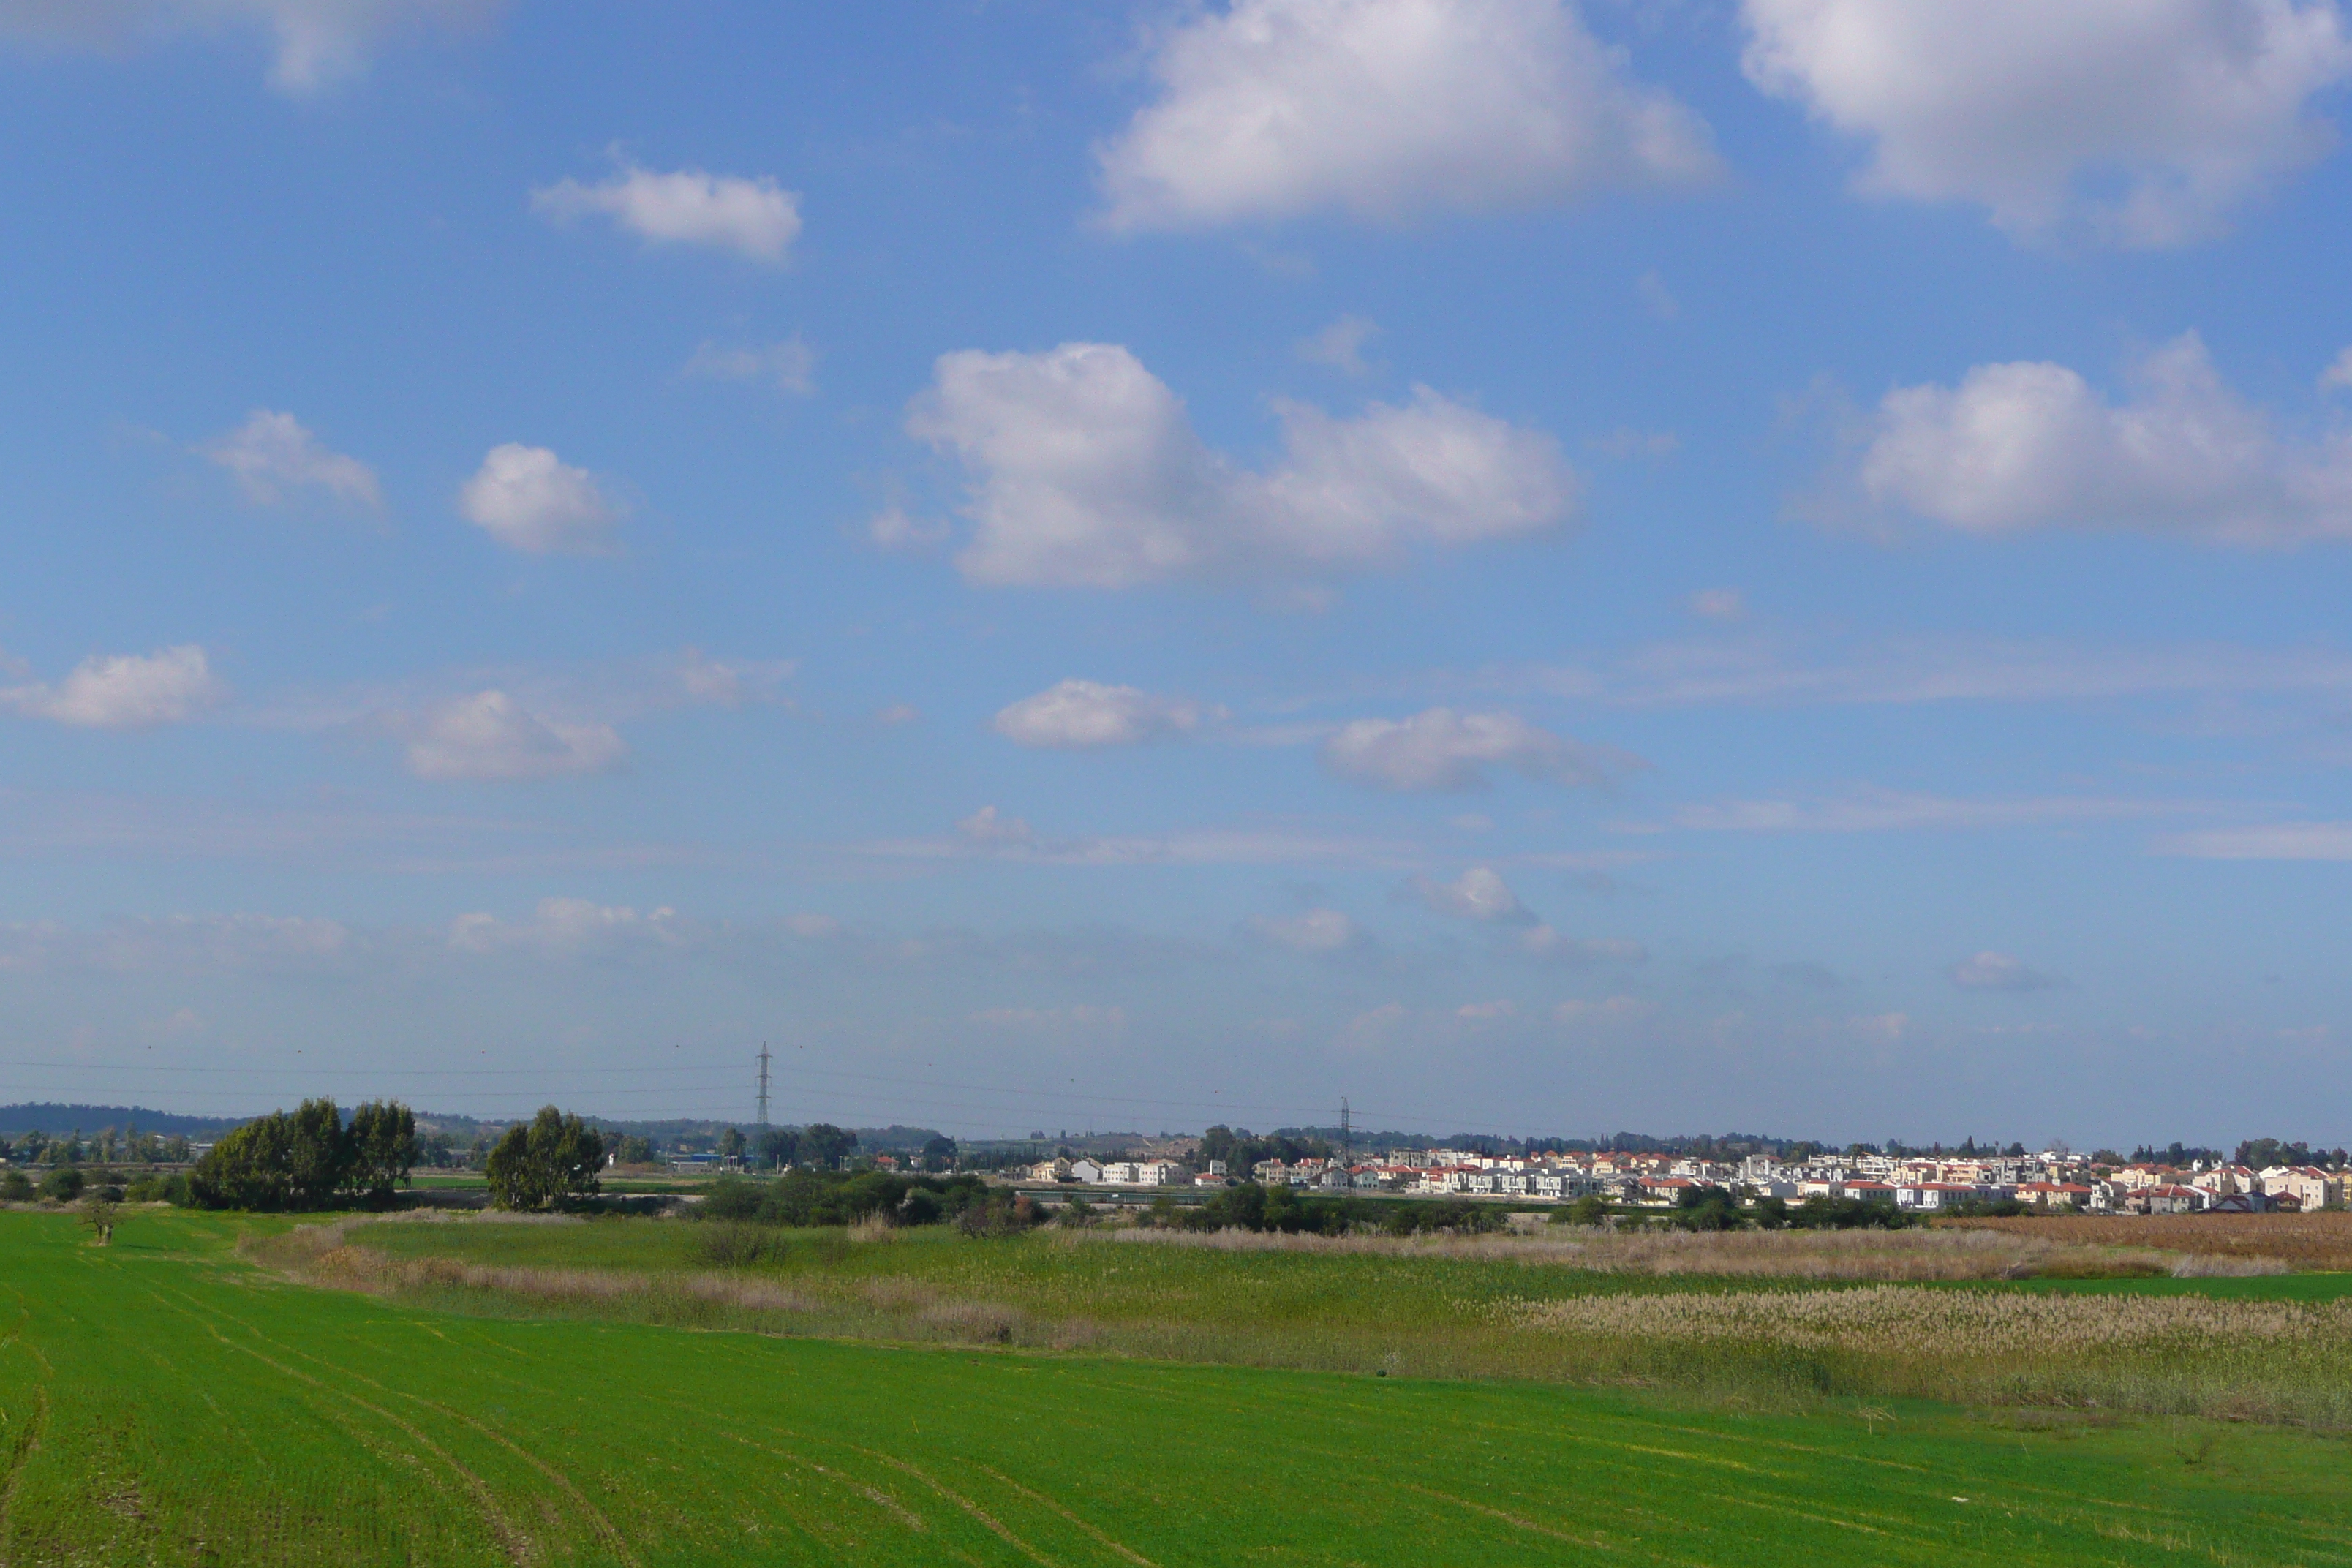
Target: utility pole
[[1347, 1137], [763, 1086]]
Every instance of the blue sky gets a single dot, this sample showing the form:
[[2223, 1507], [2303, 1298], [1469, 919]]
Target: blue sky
[[1543, 567]]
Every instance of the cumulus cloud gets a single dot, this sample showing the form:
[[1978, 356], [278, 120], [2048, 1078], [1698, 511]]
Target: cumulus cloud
[[530, 499], [1386, 109], [1083, 715], [316, 43], [273, 456], [562, 926], [2000, 972], [1340, 345], [1478, 894], [1441, 750], [124, 690], [1315, 931], [2030, 445], [2338, 373], [789, 366], [752, 218], [490, 736], [1085, 471], [2144, 121]]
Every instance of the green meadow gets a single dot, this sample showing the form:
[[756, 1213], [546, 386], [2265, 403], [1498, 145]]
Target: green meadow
[[170, 1399]]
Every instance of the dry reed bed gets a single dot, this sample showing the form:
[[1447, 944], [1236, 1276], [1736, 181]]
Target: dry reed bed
[[2311, 1241], [1876, 1256], [1895, 1319]]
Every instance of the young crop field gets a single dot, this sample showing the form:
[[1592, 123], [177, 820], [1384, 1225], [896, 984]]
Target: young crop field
[[165, 1401]]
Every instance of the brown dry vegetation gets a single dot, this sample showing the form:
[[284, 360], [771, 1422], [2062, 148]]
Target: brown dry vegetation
[[1875, 1256], [2300, 1241]]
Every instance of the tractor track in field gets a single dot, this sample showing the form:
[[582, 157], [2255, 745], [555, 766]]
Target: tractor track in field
[[597, 1518], [21, 1447], [519, 1545], [875, 1495], [1043, 1501]]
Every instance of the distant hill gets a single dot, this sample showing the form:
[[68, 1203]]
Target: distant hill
[[60, 1120]]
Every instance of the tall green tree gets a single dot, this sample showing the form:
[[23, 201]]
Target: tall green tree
[[382, 1148], [554, 1155]]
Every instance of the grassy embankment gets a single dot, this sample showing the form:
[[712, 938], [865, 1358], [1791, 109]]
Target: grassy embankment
[[1788, 1318], [163, 1401]]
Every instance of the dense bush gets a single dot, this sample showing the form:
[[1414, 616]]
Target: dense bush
[[63, 1184], [309, 1159], [155, 1189], [15, 1187], [1250, 1207], [834, 1197]]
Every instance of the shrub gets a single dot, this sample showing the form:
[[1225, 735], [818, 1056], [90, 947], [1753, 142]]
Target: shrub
[[63, 1184], [155, 1189], [15, 1187], [999, 1214]]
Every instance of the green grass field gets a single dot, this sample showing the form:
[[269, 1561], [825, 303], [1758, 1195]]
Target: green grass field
[[163, 1401]]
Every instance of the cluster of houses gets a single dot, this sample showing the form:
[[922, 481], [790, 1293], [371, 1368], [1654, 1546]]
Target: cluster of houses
[[2053, 1179]]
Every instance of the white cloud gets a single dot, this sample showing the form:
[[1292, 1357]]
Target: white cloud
[[1543, 941], [1383, 109], [272, 454], [1485, 1012], [2031, 444], [1718, 604], [1947, 670], [184, 944], [791, 365], [489, 735], [751, 217], [895, 530], [987, 832], [2000, 972], [1340, 345], [985, 827], [1878, 811], [1656, 298], [1316, 930], [528, 498], [2272, 841], [1577, 1011], [1082, 715], [813, 928], [561, 927], [2183, 107], [124, 690], [317, 43], [1478, 894], [1085, 471], [2338, 372], [1441, 750]]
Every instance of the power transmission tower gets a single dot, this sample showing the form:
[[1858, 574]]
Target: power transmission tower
[[1347, 1138], [763, 1086]]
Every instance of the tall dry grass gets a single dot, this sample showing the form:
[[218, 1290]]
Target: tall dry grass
[[2303, 1241], [1896, 1256]]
